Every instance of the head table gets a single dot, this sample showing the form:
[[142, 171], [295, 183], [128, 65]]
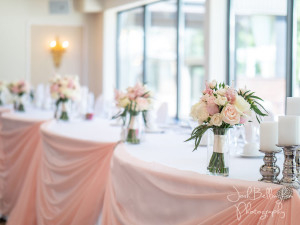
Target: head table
[[19, 140], [81, 167]]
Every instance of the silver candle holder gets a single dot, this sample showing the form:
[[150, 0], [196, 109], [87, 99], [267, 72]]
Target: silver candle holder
[[270, 170], [289, 172], [298, 163]]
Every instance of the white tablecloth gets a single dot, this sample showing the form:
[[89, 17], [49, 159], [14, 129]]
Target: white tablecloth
[[167, 148]]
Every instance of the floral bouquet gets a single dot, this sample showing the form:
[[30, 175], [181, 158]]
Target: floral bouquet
[[2, 88], [19, 89], [136, 101], [220, 108], [62, 90]]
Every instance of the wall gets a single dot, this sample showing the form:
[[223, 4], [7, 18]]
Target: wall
[[42, 67], [16, 19], [94, 51]]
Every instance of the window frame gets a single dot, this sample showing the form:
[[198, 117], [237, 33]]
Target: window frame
[[179, 47], [290, 43]]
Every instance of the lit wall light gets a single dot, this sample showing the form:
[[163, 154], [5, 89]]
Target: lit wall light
[[57, 50]]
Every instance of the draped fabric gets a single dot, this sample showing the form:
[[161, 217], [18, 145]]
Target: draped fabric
[[65, 184], [2, 111], [148, 193], [18, 142]]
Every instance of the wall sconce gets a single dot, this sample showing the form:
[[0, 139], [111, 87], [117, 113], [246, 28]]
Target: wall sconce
[[58, 49]]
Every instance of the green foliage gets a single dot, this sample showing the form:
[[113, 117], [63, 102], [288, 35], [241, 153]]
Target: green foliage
[[255, 105], [131, 110]]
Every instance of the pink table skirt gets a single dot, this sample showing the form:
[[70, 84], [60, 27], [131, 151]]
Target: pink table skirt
[[147, 193], [19, 141], [65, 184]]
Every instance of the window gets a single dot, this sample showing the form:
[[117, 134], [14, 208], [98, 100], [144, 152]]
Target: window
[[162, 45], [192, 71], [258, 59], [130, 47], [296, 77], [161, 48]]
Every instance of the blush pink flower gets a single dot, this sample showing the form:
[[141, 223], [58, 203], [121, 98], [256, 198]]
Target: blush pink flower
[[230, 115], [211, 99], [243, 120], [118, 95], [208, 90], [15, 89], [230, 95], [139, 89], [70, 84], [142, 103], [212, 108]]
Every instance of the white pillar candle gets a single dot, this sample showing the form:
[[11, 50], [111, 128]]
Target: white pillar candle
[[268, 136], [293, 106], [288, 130]]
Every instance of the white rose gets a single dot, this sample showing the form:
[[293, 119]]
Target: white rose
[[205, 97], [216, 120], [194, 111], [213, 84], [54, 95], [142, 104], [221, 92], [199, 111], [221, 100], [241, 104], [200, 122], [123, 102]]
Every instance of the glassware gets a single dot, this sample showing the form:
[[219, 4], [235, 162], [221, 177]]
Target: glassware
[[218, 153], [135, 128]]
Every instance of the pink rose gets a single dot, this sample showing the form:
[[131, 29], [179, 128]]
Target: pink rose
[[230, 115], [211, 99], [15, 90], [230, 95], [212, 108], [70, 84]]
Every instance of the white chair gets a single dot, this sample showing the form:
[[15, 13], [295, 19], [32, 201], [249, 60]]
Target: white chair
[[39, 95], [90, 102], [162, 114], [47, 103], [103, 107]]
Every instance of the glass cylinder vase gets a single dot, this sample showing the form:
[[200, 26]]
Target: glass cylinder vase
[[64, 111], [20, 105], [218, 153], [134, 129], [1, 102]]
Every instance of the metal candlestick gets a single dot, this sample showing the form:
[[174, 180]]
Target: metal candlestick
[[298, 163], [289, 172], [270, 170]]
